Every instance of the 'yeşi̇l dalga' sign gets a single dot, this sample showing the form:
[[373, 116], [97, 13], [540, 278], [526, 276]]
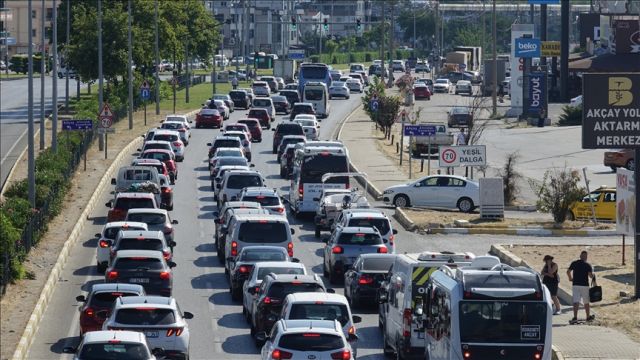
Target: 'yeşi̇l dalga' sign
[[611, 110]]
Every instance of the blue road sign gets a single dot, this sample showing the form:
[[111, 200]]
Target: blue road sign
[[527, 47], [373, 105], [419, 130], [145, 93], [296, 54], [77, 124]]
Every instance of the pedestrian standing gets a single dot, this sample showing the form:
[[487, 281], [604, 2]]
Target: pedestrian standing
[[234, 82], [579, 273], [551, 279], [461, 139]]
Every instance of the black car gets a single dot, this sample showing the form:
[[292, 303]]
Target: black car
[[291, 95], [362, 281], [280, 104], [267, 303], [285, 129], [240, 98], [144, 267], [301, 108], [459, 116]]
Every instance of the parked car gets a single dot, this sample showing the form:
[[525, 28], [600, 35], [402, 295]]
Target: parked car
[[459, 116], [600, 203], [439, 191], [620, 158]]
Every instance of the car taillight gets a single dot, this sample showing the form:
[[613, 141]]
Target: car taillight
[[290, 249], [167, 190], [341, 355], [182, 130], [365, 279], [337, 250], [243, 269], [406, 323], [234, 248], [89, 312], [166, 255], [382, 250], [104, 244], [174, 331], [391, 238], [165, 275], [280, 209], [167, 230], [112, 275], [466, 354], [278, 354], [177, 143], [300, 190]]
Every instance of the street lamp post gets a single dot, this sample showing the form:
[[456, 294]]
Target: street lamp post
[[54, 123], [42, 71]]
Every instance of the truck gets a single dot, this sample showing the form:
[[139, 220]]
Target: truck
[[474, 56], [487, 83], [458, 57], [429, 144], [285, 69]]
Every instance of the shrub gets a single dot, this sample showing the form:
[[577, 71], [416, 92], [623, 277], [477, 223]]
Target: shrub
[[17, 210], [570, 116], [510, 178], [19, 63], [557, 191], [9, 237]]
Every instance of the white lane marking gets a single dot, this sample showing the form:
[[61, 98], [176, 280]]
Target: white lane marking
[[13, 146]]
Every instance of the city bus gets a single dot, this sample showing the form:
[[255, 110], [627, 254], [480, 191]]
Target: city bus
[[487, 310], [313, 72], [316, 93]]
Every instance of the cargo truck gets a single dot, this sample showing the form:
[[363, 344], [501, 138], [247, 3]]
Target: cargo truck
[[474, 56], [487, 83], [285, 69], [429, 144]]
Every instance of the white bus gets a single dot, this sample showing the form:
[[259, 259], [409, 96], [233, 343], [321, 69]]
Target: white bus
[[487, 310], [316, 93]]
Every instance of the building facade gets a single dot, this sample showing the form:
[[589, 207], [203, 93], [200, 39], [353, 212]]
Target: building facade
[[14, 18]]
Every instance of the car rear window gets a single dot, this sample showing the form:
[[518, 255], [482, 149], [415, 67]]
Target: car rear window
[[137, 175], [157, 146], [145, 316], [257, 112], [309, 341], [263, 271], [280, 290], [226, 143], [234, 128], [140, 244], [262, 255], [263, 232], [165, 137], [174, 118], [148, 218], [134, 263], [263, 200], [250, 124], [318, 311], [262, 102], [172, 126], [359, 239], [237, 94], [106, 299], [289, 129], [302, 108], [382, 225], [243, 181], [108, 351], [229, 153], [112, 232], [134, 203], [378, 264], [231, 161], [162, 156]]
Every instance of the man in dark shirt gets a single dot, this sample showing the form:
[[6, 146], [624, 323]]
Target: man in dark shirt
[[582, 272]]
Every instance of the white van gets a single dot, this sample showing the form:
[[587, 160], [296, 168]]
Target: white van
[[317, 94], [402, 295]]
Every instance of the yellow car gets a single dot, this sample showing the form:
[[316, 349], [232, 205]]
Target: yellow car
[[604, 205]]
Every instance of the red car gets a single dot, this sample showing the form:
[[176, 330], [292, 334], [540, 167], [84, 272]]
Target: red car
[[98, 303], [254, 128], [421, 91], [164, 156], [262, 115], [125, 201], [208, 118]]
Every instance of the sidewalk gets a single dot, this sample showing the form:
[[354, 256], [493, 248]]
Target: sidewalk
[[571, 341]]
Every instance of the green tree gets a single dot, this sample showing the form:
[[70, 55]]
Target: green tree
[[331, 47], [388, 106]]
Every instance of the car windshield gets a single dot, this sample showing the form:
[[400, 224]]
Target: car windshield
[[382, 225], [263, 232], [165, 137], [313, 94], [162, 156], [145, 316], [281, 290], [378, 264], [113, 351], [106, 299], [243, 181], [263, 200], [134, 263], [359, 239], [319, 311], [112, 232], [263, 271], [134, 203], [148, 218], [309, 341], [459, 110], [140, 244], [502, 321], [262, 255]]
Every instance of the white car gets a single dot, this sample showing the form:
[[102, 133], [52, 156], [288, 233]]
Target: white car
[[174, 138], [442, 85], [232, 184], [576, 101], [312, 133], [268, 199], [438, 191], [338, 89], [260, 270], [464, 86], [245, 140], [106, 238], [354, 85], [222, 108], [113, 344], [181, 118], [158, 317], [306, 339], [261, 88], [180, 127], [307, 121]]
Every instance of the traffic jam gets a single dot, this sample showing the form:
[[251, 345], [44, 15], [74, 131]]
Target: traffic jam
[[429, 304]]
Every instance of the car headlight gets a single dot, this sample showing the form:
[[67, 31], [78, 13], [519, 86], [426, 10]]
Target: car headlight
[[389, 191]]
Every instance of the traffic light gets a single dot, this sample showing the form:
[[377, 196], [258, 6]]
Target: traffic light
[[294, 25], [326, 25], [358, 25]]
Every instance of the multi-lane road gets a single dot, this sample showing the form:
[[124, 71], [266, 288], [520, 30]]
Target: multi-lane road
[[219, 330]]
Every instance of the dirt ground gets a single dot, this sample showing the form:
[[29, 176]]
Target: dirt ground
[[615, 311], [425, 218], [21, 297]]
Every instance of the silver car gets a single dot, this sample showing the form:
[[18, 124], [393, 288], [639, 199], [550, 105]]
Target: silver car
[[339, 89], [156, 220], [345, 245]]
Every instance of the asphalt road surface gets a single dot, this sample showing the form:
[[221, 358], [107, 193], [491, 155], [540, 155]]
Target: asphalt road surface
[[219, 330]]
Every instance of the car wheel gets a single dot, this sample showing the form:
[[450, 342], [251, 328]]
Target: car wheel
[[325, 273], [570, 216], [631, 165], [170, 207], [465, 205], [317, 232], [235, 293], [333, 278], [386, 349], [614, 168], [101, 268], [401, 201]]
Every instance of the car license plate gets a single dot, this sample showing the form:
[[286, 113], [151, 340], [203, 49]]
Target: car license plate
[[139, 280], [151, 334]]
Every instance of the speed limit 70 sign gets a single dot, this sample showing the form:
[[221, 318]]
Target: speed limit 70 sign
[[469, 155]]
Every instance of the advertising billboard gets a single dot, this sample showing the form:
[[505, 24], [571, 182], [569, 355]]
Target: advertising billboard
[[625, 202], [517, 31], [537, 94]]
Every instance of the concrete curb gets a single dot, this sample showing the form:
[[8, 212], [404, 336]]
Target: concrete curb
[[521, 208], [404, 220], [521, 232], [557, 353], [34, 320]]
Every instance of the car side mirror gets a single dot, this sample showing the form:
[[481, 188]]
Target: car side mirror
[[316, 199], [172, 243], [208, 144], [218, 186], [174, 222], [295, 260], [187, 315], [262, 336], [108, 204], [81, 298], [171, 264], [157, 351], [331, 291], [252, 165], [113, 181], [293, 231], [356, 319], [273, 129], [252, 290], [97, 235], [69, 350], [395, 231], [352, 337]]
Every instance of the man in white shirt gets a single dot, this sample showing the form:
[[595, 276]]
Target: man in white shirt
[[461, 139]]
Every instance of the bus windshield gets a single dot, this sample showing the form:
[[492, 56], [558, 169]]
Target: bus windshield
[[502, 321]]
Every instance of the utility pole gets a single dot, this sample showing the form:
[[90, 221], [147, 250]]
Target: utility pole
[[42, 71], [543, 29], [391, 47], [157, 56], [436, 38], [130, 48], [54, 127], [564, 51], [383, 25], [31, 146], [494, 65], [186, 56], [66, 59], [484, 30], [414, 28], [100, 80]]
